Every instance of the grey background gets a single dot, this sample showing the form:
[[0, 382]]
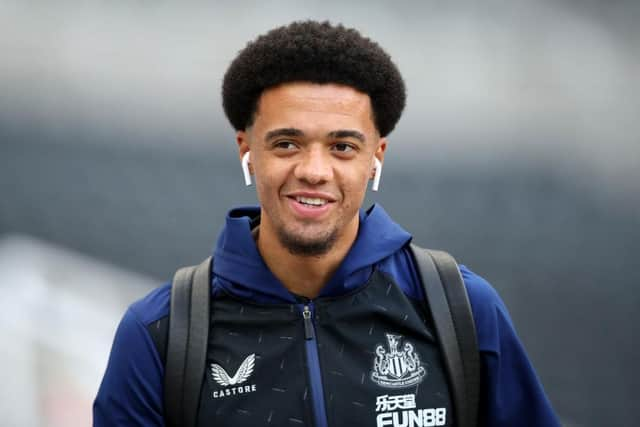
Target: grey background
[[518, 153]]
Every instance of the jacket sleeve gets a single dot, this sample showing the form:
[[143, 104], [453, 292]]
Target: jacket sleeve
[[131, 390], [511, 392]]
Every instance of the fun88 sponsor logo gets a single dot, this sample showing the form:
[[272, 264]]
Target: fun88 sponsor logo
[[400, 411]]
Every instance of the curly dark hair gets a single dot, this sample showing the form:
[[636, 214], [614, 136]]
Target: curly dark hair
[[317, 52]]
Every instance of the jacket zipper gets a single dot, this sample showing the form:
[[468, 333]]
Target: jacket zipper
[[313, 366]]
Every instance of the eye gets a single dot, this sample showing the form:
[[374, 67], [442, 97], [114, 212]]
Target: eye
[[343, 147], [285, 145]]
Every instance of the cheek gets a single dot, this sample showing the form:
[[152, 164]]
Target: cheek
[[261, 181], [269, 184], [356, 186], [260, 190], [359, 177], [266, 191]]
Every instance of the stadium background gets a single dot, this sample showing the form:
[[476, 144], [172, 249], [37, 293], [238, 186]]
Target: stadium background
[[518, 152]]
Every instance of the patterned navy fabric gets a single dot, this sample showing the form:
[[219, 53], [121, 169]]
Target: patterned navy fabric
[[362, 353]]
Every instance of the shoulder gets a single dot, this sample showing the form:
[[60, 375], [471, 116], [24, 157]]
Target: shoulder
[[401, 267], [133, 340], [133, 332], [132, 384], [154, 306], [489, 312], [511, 389]]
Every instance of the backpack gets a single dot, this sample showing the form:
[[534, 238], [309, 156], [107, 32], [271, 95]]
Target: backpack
[[447, 302]]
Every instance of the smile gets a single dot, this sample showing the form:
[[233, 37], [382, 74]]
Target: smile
[[311, 206], [311, 201]]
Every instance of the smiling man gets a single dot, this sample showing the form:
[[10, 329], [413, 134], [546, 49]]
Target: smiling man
[[317, 312], [315, 144]]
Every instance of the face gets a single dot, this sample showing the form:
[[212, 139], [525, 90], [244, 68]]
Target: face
[[312, 148]]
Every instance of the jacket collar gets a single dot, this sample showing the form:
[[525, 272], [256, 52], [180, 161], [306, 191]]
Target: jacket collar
[[239, 264]]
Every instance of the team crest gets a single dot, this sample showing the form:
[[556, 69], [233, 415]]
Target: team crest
[[397, 368]]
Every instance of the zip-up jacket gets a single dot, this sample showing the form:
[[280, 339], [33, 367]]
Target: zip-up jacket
[[363, 353]]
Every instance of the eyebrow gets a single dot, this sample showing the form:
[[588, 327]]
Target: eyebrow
[[336, 134], [283, 132]]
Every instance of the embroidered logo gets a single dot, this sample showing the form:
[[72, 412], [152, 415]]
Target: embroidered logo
[[397, 368], [243, 373]]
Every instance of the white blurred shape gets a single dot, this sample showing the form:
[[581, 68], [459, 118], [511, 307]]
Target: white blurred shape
[[58, 314]]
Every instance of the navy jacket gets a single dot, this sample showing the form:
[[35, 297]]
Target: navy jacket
[[362, 353]]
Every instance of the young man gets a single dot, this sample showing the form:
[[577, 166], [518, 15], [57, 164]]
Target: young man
[[318, 315]]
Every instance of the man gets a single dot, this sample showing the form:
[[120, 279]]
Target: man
[[309, 291]]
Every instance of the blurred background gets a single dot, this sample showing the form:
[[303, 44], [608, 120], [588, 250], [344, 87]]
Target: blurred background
[[518, 152]]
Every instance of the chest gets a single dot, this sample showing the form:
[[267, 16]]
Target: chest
[[368, 359]]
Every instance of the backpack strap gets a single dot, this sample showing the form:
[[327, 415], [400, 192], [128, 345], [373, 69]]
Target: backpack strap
[[187, 343], [448, 303]]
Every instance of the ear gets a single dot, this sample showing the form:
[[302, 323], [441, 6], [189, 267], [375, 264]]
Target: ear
[[243, 150], [379, 154], [242, 139], [378, 158]]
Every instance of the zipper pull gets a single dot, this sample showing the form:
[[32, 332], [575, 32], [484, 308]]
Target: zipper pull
[[308, 323]]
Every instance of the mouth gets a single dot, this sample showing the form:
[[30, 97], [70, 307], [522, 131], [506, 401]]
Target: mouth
[[310, 205], [311, 201]]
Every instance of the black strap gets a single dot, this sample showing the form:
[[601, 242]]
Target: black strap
[[187, 343], [447, 300], [449, 305]]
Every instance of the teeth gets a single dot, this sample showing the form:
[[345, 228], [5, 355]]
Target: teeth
[[311, 201]]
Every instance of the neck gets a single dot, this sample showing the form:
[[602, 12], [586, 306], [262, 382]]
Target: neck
[[303, 275]]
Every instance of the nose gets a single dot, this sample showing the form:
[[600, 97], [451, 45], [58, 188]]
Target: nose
[[314, 166]]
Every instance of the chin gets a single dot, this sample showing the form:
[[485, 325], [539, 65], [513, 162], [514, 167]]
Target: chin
[[302, 245]]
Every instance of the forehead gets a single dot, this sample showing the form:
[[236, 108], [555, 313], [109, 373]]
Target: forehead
[[307, 104]]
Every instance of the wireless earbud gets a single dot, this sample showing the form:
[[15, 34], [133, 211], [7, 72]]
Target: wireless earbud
[[378, 173], [245, 169]]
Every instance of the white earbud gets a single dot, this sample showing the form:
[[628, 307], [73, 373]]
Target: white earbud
[[245, 168], [378, 173]]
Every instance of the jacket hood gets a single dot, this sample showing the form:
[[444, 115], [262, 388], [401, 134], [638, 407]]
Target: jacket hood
[[243, 272]]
